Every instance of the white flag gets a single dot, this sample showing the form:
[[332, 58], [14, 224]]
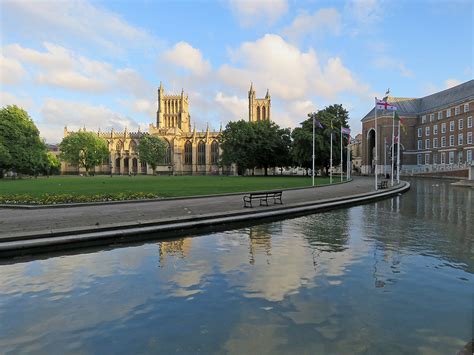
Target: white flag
[[384, 105]]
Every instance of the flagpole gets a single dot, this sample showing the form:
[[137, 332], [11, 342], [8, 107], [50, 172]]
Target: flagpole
[[376, 144], [342, 170], [330, 160], [313, 149], [348, 164], [393, 144], [398, 154]]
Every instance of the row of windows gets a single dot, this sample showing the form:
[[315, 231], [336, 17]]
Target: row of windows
[[439, 115], [451, 157], [452, 125], [201, 153], [443, 141]]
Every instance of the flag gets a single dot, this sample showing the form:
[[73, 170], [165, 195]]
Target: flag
[[317, 122], [345, 130], [402, 123], [384, 105]]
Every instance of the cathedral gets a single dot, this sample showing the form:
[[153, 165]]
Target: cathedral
[[188, 153]]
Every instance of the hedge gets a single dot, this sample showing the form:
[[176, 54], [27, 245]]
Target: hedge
[[52, 199]]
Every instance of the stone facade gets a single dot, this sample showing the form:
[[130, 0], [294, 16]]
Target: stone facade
[[356, 152], [437, 131], [259, 109], [189, 152]]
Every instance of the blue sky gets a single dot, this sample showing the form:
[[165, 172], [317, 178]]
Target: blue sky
[[98, 64]]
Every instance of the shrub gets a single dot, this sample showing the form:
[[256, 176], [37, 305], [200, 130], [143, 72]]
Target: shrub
[[53, 199]]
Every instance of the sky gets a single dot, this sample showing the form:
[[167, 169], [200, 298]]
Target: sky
[[98, 64]]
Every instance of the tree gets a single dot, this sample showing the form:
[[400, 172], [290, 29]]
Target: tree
[[84, 149], [152, 150], [53, 165], [255, 144], [301, 150], [238, 145], [21, 148], [272, 145], [303, 138]]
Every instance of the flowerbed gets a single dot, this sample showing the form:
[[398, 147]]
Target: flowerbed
[[53, 199]]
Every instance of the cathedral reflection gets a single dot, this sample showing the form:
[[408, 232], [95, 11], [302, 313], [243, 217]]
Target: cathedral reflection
[[260, 241], [178, 248]]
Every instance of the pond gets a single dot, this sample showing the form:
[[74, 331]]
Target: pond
[[395, 276]]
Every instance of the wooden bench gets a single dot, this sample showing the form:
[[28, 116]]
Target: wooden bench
[[263, 196], [383, 184]]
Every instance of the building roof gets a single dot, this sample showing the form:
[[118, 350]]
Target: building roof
[[433, 102]]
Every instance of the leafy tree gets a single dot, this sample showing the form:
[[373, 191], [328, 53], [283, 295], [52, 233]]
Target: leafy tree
[[255, 144], [332, 116], [272, 145], [301, 150], [238, 143], [21, 148], [53, 165], [152, 150], [84, 149]]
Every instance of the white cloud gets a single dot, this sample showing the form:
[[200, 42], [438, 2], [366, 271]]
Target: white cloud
[[71, 22], [449, 83], [12, 72], [59, 113], [291, 74], [320, 22], [60, 67], [186, 56], [385, 62], [256, 12], [7, 98], [232, 106]]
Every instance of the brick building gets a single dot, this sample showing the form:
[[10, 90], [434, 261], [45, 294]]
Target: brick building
[[438, 131]]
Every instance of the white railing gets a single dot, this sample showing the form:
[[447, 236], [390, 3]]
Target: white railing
[[423, 169]]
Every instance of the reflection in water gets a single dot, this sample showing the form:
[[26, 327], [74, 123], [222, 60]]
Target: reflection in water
[[394, 276]]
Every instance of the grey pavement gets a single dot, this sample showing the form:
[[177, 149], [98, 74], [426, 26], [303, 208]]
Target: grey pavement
[[21, 221]]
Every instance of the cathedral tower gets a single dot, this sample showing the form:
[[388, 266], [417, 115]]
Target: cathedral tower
[[173, 111], [259, 109]]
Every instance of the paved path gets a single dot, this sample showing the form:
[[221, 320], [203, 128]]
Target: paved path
[[20, 221]]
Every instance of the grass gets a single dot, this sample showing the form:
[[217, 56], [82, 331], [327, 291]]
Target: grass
[[163, 186]]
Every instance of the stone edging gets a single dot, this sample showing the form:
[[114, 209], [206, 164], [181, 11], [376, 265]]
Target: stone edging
[[45, 242]]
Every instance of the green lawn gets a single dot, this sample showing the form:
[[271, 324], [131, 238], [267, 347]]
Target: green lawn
[[163, 186]]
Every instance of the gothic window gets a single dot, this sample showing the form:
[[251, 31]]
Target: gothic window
[[258, 113], [263, 113], [214, 153], [167, 159], [201, 154], [188, 153], [118, 147]]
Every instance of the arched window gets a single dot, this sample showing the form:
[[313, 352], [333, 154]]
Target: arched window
[[118, 147], [168, 159], [201, 158], [188, 153], [214, 153], [264, 113], [258, 113]]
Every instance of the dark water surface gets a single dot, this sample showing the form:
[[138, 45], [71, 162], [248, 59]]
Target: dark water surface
[[394, 276]]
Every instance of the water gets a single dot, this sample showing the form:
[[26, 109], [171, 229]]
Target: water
[[395, 277]]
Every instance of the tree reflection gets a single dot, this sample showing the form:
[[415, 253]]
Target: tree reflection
[[327, 231]]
